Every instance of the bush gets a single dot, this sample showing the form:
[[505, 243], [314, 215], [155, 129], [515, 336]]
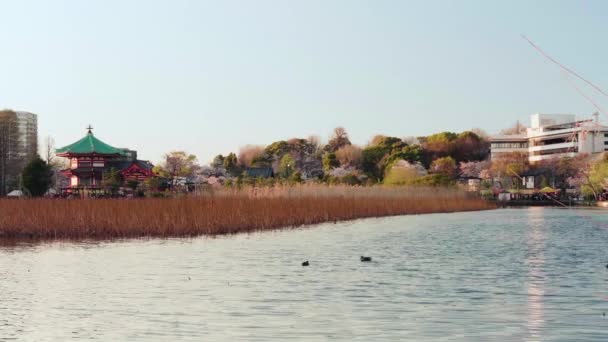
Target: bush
[[37, 177]]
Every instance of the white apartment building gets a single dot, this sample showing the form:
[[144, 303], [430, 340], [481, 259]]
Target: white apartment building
[[554, 135]]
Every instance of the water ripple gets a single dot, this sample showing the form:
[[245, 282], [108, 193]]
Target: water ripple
[[505, 275]]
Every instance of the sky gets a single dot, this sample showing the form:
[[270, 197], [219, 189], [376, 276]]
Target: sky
[[208, 77]]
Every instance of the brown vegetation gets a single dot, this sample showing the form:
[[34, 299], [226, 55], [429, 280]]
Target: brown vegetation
[[223, 212], [248, 153]]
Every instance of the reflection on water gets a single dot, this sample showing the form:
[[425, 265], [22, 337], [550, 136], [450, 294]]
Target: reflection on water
[[536, 276], [504, 275]]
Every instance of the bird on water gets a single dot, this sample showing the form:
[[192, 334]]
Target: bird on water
[[306, 263], [366, 259]]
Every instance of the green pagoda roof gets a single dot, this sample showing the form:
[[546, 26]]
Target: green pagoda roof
[[89, 145]]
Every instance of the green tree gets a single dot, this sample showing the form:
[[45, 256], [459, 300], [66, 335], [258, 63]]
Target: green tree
[[410, 153], [112, 181], [231, 164], [371, 161], [438, 145], [37, 177], [381, 153], [286, 166], [596, 180], [218, 161], [330, 161], [389, 143], [445, 166]]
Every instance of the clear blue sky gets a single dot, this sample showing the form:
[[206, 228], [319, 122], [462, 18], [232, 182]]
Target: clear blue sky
[[210, 76]]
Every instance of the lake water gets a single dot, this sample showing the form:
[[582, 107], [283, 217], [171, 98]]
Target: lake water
[[535, 274]]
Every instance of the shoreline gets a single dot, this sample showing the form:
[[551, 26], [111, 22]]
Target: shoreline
[[40, 219], [547, 203]]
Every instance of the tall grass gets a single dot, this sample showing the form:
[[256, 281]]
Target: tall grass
[[224, 211]]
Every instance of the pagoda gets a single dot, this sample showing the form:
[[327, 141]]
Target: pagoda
[[90, 158]]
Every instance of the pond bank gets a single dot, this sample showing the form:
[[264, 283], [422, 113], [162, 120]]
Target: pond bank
[[548, 203]]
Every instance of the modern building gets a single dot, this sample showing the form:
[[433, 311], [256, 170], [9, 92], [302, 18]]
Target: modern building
[[18, 145], [554, 135], [91, 159]]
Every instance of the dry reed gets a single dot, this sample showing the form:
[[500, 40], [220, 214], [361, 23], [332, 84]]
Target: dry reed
[[221, 212]]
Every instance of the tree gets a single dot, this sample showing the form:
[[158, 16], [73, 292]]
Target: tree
[[330, 161], [178, 164], [338, 139], [481, 133], [153, 184], [596, 179], [218, 162], [49, 150], [445, 166], [474, 168], [286, 166], [509, 167], [112, 181], [349, 155], [231, 164], [315, 142], [56, 164], [371, 161], [565, 168], [469, 146], [438, 145], [296, 177], [248, 153], [37, 177], [387, 142], [379, 154], [410, 153], [510, 164]]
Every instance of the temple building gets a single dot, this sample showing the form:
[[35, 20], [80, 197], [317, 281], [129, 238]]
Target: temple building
[[90, 159]]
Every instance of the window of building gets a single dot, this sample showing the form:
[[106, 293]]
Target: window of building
[[510, 145], [556, 151]]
